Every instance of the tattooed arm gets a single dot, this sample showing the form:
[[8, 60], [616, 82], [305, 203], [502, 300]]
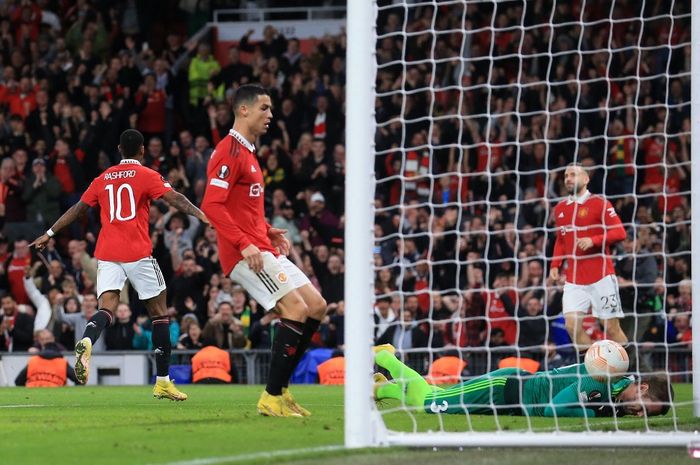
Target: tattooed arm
[[181, 202]]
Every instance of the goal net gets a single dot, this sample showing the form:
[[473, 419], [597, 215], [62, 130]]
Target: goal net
[[472, 111]]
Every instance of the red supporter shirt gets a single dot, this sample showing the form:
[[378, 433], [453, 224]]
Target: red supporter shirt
[[15, 277], [589, 216], [124, 193], [234, 201]]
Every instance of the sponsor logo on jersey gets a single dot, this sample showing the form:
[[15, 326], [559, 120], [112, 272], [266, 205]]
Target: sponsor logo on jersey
[[435, 408], [282, 277], [595, 396], [224, 172], [256, 189]]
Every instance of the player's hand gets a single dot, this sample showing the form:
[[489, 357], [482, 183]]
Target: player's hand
[[554, 274], [253, 258], [203, 218], [40, 242], [279, 240], [584, 243]]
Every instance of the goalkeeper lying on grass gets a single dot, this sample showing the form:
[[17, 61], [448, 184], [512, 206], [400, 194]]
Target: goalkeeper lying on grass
[[562, 392]]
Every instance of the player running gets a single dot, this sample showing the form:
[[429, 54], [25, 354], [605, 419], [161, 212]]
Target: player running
[[561, 392], [587, 225], [124, 193], [253, 253]]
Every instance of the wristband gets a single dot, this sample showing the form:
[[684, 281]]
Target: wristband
[[50, 233]]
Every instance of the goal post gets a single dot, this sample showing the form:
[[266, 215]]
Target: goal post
[[415, 184], [359, 220], [695, 196]]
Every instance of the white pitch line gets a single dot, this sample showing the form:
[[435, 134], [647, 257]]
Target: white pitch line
[[23, 406], [255, 455]]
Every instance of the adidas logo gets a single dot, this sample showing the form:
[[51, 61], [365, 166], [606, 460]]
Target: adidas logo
[[252, 169], [561, 215]]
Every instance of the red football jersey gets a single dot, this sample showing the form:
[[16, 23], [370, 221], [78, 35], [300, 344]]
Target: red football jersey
[[124, 193], [234, 201], [589, 216]]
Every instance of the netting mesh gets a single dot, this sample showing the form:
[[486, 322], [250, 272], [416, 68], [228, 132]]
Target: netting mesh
[[480, 106]]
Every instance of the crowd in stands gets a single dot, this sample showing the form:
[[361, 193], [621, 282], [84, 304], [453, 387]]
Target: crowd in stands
[[464, 183]]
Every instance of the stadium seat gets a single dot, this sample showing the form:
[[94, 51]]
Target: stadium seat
[[446, 370], [523, 363]]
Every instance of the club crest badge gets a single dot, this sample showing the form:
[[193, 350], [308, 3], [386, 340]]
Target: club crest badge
[[282, 277]]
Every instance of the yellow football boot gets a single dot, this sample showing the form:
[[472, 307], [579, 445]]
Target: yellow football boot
[[275, 406], [167, 390], [287, 396]]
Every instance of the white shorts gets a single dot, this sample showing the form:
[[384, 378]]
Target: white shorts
[[278, 278], [144, 276], [602, 297]]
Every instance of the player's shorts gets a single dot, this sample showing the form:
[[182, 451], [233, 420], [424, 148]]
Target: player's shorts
[[144, 275], [278, 278], [602, 297], [487, 394]]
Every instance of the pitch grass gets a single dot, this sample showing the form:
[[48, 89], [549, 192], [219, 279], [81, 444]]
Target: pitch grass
[[219, 425]]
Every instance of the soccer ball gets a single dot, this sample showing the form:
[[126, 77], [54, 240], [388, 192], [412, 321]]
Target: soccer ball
[[606, 359]]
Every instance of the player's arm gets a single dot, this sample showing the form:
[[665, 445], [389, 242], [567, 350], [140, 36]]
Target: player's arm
[[567, 404], [72, 214], [557, 256], [613, 230], [182, 203]]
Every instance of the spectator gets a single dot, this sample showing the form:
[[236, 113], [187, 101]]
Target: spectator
[[223, 330], [120, 334], [404, 334], [16, 328], [78, 321], [191, 339], [203, 68], [42, 193]]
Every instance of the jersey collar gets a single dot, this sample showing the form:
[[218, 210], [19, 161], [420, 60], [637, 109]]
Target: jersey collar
[[237, 135], [580, 200], [129, 161]]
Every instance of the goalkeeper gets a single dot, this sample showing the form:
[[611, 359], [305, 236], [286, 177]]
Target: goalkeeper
[[561, 392]]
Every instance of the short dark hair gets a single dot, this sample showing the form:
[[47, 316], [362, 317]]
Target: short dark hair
[[130, 143], [247, 94], [660, 390]]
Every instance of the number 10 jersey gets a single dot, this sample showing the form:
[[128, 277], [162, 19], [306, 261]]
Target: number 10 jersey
[[124, 193]]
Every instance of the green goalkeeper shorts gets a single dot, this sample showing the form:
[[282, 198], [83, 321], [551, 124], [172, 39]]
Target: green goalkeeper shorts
[[486, 394]]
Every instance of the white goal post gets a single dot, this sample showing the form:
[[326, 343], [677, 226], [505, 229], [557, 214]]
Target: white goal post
[[364, 425]]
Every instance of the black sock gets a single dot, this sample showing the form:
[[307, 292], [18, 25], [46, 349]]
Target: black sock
[[97, 323], [283, 350], [161, 344], [310, 327]]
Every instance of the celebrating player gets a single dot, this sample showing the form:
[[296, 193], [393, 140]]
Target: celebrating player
[[561, 392], [587, 225], [124, 193], [253, 253]]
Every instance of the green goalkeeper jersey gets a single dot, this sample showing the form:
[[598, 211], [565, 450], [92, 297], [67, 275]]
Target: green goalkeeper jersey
[[563, 392], [568, 392]]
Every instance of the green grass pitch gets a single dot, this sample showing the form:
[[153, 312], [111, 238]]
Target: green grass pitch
[[218, 425]]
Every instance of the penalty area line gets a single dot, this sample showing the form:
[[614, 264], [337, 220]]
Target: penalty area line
[[255, 455]]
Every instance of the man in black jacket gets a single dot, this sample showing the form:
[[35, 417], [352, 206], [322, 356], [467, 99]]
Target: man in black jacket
[[16, 328]]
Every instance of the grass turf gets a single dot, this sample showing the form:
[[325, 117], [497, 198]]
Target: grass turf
[[219, 425]]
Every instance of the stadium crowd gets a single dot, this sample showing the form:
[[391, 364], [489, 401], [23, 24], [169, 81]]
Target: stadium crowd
[[464, 183]]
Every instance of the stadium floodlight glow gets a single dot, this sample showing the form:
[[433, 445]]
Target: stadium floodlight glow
[[475, 88]]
